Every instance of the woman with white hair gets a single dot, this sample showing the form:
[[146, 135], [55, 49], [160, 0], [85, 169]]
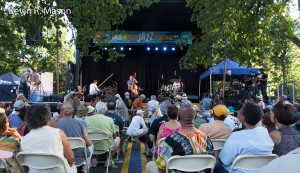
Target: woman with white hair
[[121, 107]]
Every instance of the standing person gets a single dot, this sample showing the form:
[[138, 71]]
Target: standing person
[[94, 90], [263, 82], [24, 82], [187, 141], [45, 139], [35, 81]]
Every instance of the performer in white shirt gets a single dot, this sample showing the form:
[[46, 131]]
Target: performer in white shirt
[[94, 90]]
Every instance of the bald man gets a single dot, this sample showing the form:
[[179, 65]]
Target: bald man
[[173, 144]]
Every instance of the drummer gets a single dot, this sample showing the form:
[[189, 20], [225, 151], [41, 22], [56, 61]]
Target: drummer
[[176, 86]]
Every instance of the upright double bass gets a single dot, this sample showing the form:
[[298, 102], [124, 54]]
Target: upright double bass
[[134, 88]]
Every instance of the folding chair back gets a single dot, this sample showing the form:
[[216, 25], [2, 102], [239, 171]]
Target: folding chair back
[[218, 143], [41, 161], [76, 142], [252, 162], [160, 144], [191, 163]]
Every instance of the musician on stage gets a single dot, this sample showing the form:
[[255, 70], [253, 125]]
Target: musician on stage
[[131, 84], [94, 90], [248, 83], [35, 81]]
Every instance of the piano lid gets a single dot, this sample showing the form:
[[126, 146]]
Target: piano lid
[[109, 81]]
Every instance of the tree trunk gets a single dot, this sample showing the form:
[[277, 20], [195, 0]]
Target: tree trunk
[[296, 41]]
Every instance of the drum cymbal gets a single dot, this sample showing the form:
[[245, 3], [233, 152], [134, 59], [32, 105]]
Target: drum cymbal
[[173, 80]]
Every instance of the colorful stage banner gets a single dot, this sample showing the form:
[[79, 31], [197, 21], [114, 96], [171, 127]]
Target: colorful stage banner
[[137, 37]]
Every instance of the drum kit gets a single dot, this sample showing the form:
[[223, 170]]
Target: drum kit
[[174, 87]]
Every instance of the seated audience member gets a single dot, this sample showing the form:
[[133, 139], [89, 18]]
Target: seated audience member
[[100, 122], [121, 108], [82, 112], [297, 125], [267, 101], [50, 140], [187, 141], [284, 164], [284, 100], [134, 129], [74, 128], [152, 105], [217, 129], [111, 106], [7, 108], [252, 140], [198, 118], [215, 101], [259, 101], [167, 128], [137, 104], [231, 121], [23, 128], [206, 102], [184, 99], [127, 100], [15, 120], [285, 138], [91, 111], [10, 143], [154, 128], [252, 99]]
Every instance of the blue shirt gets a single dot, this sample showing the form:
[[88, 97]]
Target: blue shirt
[[15, 120], [269, 103], [246, 142], [205, 103], [131, 83]]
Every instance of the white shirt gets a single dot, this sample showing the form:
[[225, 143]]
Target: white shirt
[[93, 89], [253, 142], [152, 105], [136, 123]]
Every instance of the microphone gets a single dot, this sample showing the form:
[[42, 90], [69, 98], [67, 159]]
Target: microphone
[[175, 73]]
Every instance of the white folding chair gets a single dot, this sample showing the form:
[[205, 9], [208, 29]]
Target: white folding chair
[[76, 142], [101, 136], [3, 165], [191, 163], [160, 144], [218, 143], [41, 161], [251, 162], [118, 134]]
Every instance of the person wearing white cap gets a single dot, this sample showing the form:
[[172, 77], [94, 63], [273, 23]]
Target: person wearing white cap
[[134, 127], [283, 99], [14, 118]]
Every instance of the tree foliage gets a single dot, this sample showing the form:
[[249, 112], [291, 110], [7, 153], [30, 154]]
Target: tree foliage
[[249, 31]]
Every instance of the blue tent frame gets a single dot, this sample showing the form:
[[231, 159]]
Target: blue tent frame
[[237, 72], [9, 83]]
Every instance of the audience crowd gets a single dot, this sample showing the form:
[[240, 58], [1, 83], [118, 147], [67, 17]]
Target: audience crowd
[[257, 126]]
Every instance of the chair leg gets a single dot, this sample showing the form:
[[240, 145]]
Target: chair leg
[[109, 153]]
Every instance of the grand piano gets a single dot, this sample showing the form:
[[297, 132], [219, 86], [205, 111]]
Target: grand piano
[[110, 86]]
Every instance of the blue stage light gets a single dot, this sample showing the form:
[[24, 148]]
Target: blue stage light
[[114, 48], [105, 48], [121, 48], [173, 48], [148, 48], [156, 48], [165, 48], [129, 48]]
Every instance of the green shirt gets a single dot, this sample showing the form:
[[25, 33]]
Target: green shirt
[[198, 122], [100, 122]]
